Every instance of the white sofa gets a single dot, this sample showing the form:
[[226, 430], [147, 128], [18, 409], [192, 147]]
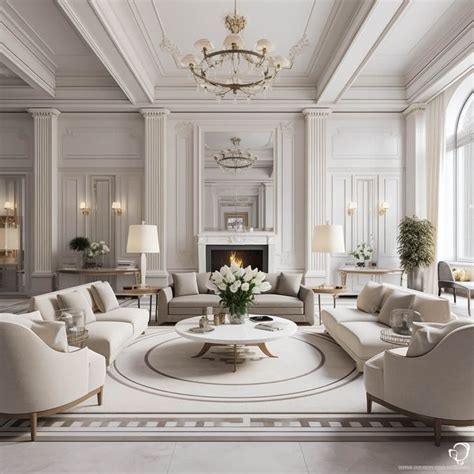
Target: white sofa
[[358, 333], [436, 387], [37, 380], [110, 333]]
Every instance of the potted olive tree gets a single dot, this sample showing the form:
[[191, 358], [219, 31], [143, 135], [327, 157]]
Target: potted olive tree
[[416, 248]]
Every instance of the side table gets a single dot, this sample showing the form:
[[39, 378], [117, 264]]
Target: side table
[[327, 290], [139, 292]]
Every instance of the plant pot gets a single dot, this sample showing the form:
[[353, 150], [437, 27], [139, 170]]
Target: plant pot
[[236, 318], [415, 279]]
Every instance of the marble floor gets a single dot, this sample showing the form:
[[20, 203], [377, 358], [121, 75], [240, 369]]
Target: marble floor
[[242, 457]]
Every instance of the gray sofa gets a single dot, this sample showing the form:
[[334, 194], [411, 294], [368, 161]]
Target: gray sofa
[[358, 332], [299, 309]]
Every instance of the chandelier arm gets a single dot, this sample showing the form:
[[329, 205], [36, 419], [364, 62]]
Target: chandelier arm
[[233, 85], [233, 51]]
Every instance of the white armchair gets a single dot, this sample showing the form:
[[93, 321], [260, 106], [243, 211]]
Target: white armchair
[[436, 387], [37, 380]]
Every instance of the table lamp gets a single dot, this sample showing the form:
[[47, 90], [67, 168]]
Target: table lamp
[[143, 239], [328, 239]]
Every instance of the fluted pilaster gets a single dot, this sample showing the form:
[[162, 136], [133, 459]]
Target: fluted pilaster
[[155, 183], [315, 142], [45, 231]]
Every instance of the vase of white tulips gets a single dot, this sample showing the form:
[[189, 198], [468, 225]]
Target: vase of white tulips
[[237, 287]]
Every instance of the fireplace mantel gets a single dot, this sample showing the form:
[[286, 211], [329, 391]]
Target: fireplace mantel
[[236, 238]]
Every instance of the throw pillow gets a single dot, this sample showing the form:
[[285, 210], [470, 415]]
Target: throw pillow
[[76, 300], [87, 293], [370, 298], [203, 282], [426, 336], [289, 284], [185, 284], [53, 333], [104, 297], [397, 300], [273, 279]]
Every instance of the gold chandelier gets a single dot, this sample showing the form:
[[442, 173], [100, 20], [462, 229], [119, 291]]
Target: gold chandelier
[[234, 68], [234, 159]]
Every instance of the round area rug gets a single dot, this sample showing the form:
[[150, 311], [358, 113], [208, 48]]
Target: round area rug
[[162, 363]]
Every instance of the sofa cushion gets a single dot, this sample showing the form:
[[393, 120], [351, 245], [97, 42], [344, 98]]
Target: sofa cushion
[[202, 282], [363, 338], [190, 301], [370, 298], [185, 284], [76, 300], [272, 278], [137, 317], [87, 293], [53, 333], [397, 300], [275, 301], [108, 337], [331, 317], [289, 284], [432, 309], [104, 297], [47, 305]]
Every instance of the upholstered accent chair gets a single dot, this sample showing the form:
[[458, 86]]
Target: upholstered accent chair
[[446, 280], [436, 387], [37, 380]]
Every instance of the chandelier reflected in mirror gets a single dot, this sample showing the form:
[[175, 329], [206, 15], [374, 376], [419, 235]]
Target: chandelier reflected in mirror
[[234, 159], [235, 69]]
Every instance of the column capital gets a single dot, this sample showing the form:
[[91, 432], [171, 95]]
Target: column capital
[[44, 112], [154, 112], [413, 108], [317, 112]]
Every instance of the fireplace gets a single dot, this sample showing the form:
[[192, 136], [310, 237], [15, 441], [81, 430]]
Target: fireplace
[[219, 255]]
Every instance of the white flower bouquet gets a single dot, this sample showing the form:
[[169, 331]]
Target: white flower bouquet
[[96, 249], [237, 287]]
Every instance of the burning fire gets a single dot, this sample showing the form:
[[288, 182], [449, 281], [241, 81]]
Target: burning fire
[[236, 260]]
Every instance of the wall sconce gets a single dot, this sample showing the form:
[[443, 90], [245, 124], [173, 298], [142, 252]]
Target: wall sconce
[[84, 209], [117, 208], [384, 207], [351, 208]]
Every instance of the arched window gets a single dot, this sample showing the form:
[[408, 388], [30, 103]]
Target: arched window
[[464, 183]]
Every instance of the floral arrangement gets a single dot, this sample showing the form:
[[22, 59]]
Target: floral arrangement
[[237, 287], [363, 252], [96, 249]]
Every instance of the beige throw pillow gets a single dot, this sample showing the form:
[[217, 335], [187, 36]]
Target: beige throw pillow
[[104, 297], [289, 284], [76, 300], [185, 284], [203, 282], [397, 300], [53, 333], [426, 336], [273, 279], [370, 298]]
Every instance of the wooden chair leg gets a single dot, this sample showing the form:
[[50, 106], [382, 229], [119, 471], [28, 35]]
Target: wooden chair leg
[[437, 431], [369, 403], [454, 293], [439, 291], [33, 425], [100, 396]]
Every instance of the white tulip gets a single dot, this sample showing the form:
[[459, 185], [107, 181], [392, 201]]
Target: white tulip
[[234, 268], [222, 286], [217, 277], [241, 272], [237, 283], [230, 278], [265, 286], [234, 288], [256, 290], [224, 270], [245, 286]]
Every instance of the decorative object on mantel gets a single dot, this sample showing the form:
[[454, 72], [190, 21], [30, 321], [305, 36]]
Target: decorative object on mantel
[[328, 239], [95, 254], [234, 159], [143, 239], [363, 253], [234, 68], [237, 287], [416, 248]]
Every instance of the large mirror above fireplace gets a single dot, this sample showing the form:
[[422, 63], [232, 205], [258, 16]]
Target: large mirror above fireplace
[[238, 181]]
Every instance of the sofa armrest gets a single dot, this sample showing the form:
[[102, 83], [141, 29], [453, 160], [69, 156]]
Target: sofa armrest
[[164, 297], [307, 296]]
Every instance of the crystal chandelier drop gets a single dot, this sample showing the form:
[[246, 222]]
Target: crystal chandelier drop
[[234, 68], [234, 159]]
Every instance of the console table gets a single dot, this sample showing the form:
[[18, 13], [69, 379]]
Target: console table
[[374, 272], [98, 272]]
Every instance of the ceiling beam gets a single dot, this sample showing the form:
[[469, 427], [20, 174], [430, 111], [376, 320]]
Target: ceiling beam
[[96, 31], [24, 54], [371, 23]]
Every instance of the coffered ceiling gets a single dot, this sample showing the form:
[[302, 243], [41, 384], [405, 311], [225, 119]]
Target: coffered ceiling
[[361, 53]]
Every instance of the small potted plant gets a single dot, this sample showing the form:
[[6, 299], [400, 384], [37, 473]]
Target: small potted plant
[[237, 287], [362, 254], [80, 245]]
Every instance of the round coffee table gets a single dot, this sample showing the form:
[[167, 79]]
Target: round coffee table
[[235, 335]]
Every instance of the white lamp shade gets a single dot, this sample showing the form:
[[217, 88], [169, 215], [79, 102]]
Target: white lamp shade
[[9, 238], [143, 238], [328, 238]]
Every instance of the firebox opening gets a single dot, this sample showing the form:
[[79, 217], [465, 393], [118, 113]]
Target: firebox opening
[[243, 255]]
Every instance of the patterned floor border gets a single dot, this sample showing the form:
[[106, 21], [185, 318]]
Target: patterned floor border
[[217, 427]]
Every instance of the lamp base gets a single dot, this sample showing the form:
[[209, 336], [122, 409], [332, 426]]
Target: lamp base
[[142, 271]]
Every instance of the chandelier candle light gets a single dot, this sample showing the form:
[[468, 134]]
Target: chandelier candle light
[[234, 68]]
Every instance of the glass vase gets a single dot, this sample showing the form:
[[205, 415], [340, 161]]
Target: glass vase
[[236, 318]]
